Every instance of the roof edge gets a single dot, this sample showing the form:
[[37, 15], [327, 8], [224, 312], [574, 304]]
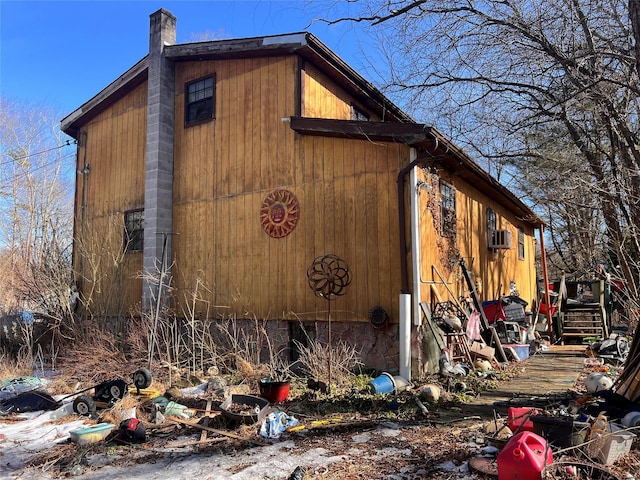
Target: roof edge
[[104, 98]]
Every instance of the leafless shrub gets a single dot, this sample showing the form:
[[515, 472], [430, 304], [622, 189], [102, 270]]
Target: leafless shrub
[[97, 358], [316, 358]]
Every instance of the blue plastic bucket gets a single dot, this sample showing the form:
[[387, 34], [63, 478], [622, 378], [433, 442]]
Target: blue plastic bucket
[[385, 383]]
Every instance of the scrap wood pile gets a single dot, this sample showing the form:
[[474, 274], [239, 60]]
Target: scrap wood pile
[[628, 383]]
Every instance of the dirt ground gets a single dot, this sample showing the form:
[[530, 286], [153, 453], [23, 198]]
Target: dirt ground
[[363, 436]]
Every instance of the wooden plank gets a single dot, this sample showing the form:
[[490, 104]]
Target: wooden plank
[[372, 243], [217, 431], [359, 231], [199, 443], [385, 254], [205, 423]]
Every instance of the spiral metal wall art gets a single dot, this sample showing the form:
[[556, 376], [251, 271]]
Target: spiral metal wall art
[[329, 276]]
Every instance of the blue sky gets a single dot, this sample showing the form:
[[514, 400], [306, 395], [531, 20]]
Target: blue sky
[[64, 52]]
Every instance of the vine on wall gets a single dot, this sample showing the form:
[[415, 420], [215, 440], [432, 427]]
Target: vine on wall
[[444, 220]]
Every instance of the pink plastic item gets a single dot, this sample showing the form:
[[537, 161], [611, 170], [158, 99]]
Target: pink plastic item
[[524, 457]]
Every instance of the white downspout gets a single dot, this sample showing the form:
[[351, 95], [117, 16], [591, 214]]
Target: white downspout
[[416, 261], [407, 310]]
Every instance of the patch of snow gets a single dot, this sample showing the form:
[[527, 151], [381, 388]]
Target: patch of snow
[[450, 466], [37, 433], [362, 437]]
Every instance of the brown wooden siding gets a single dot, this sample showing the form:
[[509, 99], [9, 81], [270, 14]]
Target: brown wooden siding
[[224, 169], [322, 98], [342, 186], [114, 148], [494, 269]]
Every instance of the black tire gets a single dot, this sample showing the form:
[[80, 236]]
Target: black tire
[[111, 391], [142, 378], [116, 392], [84, 406]]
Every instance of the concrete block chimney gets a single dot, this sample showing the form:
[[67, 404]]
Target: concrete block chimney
[[158, 195]]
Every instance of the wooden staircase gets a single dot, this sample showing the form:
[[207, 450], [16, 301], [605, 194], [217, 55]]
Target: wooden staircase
[[581, 321]]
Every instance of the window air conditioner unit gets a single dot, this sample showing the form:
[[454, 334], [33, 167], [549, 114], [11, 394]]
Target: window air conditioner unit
[[500, 239]]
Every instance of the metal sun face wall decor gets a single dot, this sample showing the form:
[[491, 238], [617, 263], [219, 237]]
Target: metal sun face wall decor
[[279, 213]]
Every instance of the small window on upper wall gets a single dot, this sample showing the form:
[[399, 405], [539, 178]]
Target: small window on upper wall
[[359, 115], [199, 101], [520, 243], [448, 197], [133, 230], [492, 223]]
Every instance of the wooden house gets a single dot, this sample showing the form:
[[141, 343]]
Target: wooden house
[[233, 165]]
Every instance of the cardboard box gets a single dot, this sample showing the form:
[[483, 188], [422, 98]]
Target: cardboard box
[[479, 350]]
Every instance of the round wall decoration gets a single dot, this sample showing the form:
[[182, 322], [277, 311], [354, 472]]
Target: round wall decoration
[[279, 213]]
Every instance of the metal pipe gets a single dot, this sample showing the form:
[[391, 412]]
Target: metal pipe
[[405, 336], [545, 279]]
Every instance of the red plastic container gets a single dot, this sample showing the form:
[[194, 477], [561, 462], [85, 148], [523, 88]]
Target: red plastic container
[[519, 418], [524, 457], [274, 392], [494, 310]]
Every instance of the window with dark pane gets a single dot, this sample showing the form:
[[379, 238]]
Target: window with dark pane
[[359, 115], [200, 100], [134, 231], [492, 223], [448, 197], [520, 243]]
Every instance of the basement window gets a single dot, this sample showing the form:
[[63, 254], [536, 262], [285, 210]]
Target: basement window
[[134, 230], [199, 105], [448, 198]]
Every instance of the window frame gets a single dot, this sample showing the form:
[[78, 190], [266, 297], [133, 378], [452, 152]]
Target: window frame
[[492, 220], [449, 223], [203, 101], [359, 115], [133, 239], [521, 243]]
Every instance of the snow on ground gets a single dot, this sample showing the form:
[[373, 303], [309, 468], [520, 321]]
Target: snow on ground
[[24, 439], [39, 432]]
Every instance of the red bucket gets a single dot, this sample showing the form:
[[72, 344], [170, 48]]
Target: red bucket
[[274, 392]]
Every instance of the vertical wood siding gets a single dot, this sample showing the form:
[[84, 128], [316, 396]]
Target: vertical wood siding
[[322, 98], [114, 148], [225, 168], [495, 270]]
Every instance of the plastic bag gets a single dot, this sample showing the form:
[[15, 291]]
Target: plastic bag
[[275, 423]]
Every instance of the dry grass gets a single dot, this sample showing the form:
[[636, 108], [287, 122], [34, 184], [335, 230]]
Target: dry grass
[[121, 410], [343, 358], [95, 359], [14, 367]]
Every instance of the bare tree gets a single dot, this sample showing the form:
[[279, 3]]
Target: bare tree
[[634, 16], [36, 211], [525, 86]]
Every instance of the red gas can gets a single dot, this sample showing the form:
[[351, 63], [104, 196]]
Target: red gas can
[[519, 418], [524, 457]]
